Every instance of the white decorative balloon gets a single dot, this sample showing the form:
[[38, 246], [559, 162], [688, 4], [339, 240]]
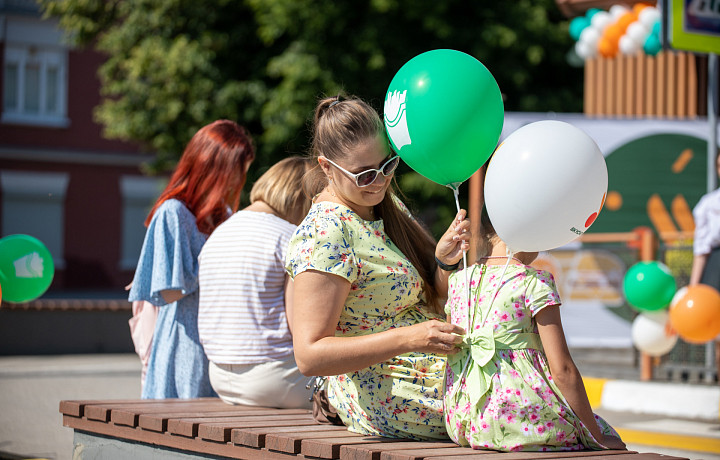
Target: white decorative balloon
[[638, 32], [649, 333], [601, 19], [590, 36], [628, 46], [649, 16], [545, 185], [584, 50], [617, 10]]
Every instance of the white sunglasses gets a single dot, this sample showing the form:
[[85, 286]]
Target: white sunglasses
[[366, 178]]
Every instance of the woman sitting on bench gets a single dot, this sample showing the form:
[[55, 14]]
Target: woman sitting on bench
[[368, 294]]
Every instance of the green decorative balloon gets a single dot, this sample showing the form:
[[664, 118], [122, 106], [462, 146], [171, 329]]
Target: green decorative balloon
[[26, 268], [444, 115], [649, 286]]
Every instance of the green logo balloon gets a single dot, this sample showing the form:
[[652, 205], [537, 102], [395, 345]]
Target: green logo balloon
[[26, 268], [444, 115], [649, 286]]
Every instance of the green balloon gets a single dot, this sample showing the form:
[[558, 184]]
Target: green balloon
[[444, 115], [649, 286], [26, 268]]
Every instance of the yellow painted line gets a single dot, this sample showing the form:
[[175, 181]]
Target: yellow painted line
[[677, 441], [594, 389]]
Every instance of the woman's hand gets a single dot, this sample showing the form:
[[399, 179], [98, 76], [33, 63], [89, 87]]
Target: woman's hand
[[435, 337], [456, 239]]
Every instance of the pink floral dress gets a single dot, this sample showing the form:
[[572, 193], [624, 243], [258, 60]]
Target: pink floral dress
[[401, 397], [507, 399]]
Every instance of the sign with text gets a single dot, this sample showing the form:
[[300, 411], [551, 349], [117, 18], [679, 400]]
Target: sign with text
[[695, 25]]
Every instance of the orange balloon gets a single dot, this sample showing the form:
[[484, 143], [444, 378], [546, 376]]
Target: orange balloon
[[607, 48], [625, 20], [613, 32], [696, 314], [638, 7]]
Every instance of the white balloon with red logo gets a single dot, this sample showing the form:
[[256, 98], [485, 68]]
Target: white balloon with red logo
[[545, 185]]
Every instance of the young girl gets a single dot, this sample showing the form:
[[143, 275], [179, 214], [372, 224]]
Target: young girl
[[514, 385]]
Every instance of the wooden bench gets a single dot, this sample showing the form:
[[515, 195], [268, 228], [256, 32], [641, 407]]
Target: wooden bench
[[207, 428]]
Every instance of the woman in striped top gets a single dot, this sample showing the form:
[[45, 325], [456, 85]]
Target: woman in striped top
[[245, 305]]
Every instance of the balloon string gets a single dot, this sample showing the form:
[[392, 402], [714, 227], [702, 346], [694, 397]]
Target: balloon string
[[456, 192]]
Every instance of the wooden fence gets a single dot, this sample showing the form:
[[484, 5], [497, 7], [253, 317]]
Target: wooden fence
[[669, 85]]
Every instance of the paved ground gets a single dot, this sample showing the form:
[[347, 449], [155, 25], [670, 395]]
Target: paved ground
[[31, 388]]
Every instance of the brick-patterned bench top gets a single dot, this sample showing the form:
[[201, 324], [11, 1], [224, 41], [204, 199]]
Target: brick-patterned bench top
[[211, 427]]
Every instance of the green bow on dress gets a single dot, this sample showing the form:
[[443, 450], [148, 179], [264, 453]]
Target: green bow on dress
[[474, 360]]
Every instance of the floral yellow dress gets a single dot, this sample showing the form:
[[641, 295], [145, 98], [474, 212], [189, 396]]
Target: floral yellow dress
[[401, 397], [507, 399]]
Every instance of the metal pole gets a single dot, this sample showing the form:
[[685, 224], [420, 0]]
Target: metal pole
[[712, 121], [711, 171]]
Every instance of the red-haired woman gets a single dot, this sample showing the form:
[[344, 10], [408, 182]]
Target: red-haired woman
[[202, 193]]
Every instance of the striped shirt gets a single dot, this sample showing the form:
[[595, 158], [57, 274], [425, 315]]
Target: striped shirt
[[241, 316], [707, 223]]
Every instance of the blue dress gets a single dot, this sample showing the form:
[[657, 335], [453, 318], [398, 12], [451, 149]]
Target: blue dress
[[178, 367]]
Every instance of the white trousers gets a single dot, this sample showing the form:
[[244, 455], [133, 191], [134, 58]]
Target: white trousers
[[272, 384]]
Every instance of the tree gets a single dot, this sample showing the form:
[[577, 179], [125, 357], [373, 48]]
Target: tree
[[175, 65]]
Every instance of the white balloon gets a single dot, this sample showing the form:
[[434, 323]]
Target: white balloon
[[544, 186], [649, 333], [584, 50], [649, 16], [628, 46], [617, 10], [589, 36], [601, 19], [637, 32]]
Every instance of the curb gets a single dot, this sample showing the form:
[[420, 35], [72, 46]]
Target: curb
[[668, 399], [699, 403]]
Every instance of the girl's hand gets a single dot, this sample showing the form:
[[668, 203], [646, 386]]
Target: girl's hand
[[456, 239], [435, 337], [612, 442]]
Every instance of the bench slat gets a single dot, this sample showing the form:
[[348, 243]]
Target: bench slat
[[189, 429], [330, 448], [291, 443], [442, 452], [256, 437], [158, 421], [101, 412], [76, 408], [220, 430], [585, 454], [131, 416], [374, 451]]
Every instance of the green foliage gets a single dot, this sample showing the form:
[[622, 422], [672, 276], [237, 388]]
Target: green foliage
[[174, 65]]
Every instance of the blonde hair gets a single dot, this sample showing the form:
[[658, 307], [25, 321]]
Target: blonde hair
[[280, 187], [339, 126]]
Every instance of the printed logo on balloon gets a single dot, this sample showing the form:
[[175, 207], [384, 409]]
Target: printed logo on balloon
[[26, 268], [395, 119]]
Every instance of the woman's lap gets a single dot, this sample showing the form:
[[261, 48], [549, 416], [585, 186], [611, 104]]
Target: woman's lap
[[276, 383]]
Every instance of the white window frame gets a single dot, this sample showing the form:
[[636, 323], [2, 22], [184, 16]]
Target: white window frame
[[139, 193], [35, 42], [23, 57], [33, 203]]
